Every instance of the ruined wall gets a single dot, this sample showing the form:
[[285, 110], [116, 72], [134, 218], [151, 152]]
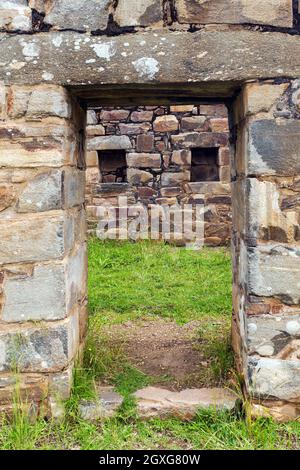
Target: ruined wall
[[158, 141]]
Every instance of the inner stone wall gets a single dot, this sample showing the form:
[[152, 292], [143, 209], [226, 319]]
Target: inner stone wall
[[158, 141]]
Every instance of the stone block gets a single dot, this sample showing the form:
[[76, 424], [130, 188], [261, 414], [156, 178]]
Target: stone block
[[91, 117], [31, 388], [78, 14], [73, 187], [92, 159], [97, 129], [199, 139], [141, 116], [268, 12], [274, 271], [274, 378], [15, 16], [39, 349], [260, 97], [274, 147], [48, 101], [182, 157], [114, 115], [166, 123], [182, 108], [224, 156], [105, 406], [42, 193], [211, 188], [274, 336], [173, 179], [76, 277], [214, 110], [60, 384], [2, 102], [145, 143], [219, 125], [7, 196], [111, 142], [195, 123], [134, 129], [136, 177], [139, 12], [144, 160], [37, 237]]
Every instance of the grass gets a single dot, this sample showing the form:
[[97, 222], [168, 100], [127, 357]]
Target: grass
[[132, 282]]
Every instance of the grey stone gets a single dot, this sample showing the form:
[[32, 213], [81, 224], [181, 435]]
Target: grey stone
[[41, 349], [105, 406], [91, 117], [136, 177], [78, 14], [73, 187], [274, 271], [43, 193], [274, 336], [231, 50], [112, 142], [144, 160], [15, 16], [47, 102], [34, 238], [158, 402], [274, 378], [139, 12], [60, 384], [172, 179], [274, 147]]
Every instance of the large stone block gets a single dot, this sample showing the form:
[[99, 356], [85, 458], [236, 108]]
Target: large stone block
[[274, 271], [112, 142], [76, 277], [167, 123], [274, 147], [78, 14], [15, 15], [36, 237], [269, 12], [36, 145], [73, 187], [199, 139], [39, 349], [139, 12], [144, 160], [43, 193], [48, 101], [274, 336], [172, 179], [274, 378]]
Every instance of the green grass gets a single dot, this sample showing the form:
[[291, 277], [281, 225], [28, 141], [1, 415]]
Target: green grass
[[133, 282]]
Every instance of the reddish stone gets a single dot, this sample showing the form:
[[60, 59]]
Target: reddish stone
[[141, 116], [217, 110], [114, 115], [224, 156], [219, 125], [145, 192], [167, 123], [195, 123], [144, 143], [133, 129]]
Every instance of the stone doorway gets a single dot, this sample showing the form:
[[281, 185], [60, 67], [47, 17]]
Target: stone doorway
[[43, 271]]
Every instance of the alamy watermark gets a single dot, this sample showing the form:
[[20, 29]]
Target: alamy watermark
[[179, 223]]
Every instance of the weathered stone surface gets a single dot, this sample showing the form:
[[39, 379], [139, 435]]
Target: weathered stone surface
[[79, 15], [144, 160], [60, 384], [39, 349], [96, 129], [73, 187], [15, 16], [274, 271], [274, 336], [274, 378], [7, 196], [139, 12], [200, 139], [270, 12], [105, 406], [213, 187], [159, 402], [274, 147], [112, 142], [182, 108], [48, 102], [136, 177], [114, 115], [145, 143], [141, 116], [91, 117], [260, 97], [134, 129], [43, 193], [182, 157], [194, 123], [232, 49], [31, 388], [168, 123], [172, 179], [2, 102], [35, 238]]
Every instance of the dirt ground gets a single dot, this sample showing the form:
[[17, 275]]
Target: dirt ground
[[170, 353]]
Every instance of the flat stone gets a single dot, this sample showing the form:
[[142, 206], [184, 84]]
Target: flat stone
[[94, 130], [112, 142], [136, 177], [194, 123], [145, 143], [167, 123], [182, 108], [39, 349], [134, 129], [182, 157], [144, 160], [78, 14], [158, 402], [91, 117], [199, 139], [274, 378], [114, 115], [279, 13], [141, 116], [139, 12], [43, 193], [232, 49], [172, 179], [44, 102], [275, 147], [105, 406]]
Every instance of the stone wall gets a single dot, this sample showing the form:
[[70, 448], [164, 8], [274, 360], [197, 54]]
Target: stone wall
[[42, 250], [158, 141]]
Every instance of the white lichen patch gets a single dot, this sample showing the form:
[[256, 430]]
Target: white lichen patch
[[106, 50], [30, 50], [57, 40], [146, 67], [47, 76]]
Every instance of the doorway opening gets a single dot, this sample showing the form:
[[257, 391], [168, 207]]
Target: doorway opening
[[161, 311]]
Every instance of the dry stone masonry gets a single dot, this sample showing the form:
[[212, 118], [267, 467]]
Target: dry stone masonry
[[166, 155], [58, 58]]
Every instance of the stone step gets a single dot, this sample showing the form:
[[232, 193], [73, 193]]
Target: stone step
[[158, 402]]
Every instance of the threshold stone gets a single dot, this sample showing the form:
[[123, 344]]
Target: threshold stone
[[159, 402]]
